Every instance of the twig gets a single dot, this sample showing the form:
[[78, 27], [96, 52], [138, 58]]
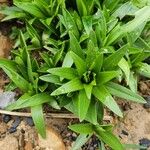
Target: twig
[[48, 115]]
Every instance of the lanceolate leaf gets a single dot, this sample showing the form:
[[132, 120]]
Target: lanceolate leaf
[[119, 32], [64, 72], [122, 92], [30, 8], [75, 46], [71, 86], [106, 76], [103, 95], [79, 62], [10, 69], [80, 141], [31, 101], [51, 78], [38, 118], [113, 60], [83, 104], [82, 128], [108, 138]]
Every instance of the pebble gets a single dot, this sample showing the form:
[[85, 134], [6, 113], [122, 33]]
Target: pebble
[[125, 132], [147, 105], [15, 124], [12, 130], [6, 118], [145, 142], [29, 121]]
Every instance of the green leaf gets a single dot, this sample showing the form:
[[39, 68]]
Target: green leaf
[[87, 22], [122, 92], [124, 66], [38, 118], [75, 46], [51, 78], [70, 23], [81, 7], [120, 31], [79, 62], [108, 138], [103, 95], [133, 82], [106, 76], [64, 72], [83, 101], [30, 8], [68, 61], [80, 141], [82, 128], [28, 60], [71, 86], [10, 69], [88, 90], [31, 101], [144, 70], [111, 61]]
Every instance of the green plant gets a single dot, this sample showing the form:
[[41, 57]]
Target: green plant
[[81, 54]]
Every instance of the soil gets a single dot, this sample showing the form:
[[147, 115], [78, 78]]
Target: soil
[[20, 133]]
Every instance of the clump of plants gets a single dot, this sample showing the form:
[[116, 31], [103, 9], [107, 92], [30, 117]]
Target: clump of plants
[[75, 55]]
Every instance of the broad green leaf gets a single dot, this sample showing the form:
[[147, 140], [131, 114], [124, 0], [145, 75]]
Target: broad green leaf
[[28, 60], [64, 72], [125, 9], [108, 138], [111, 4], [30, 8], [112, 61], [38, 118], [133, 82], [124, 66], [95, 113], [75, 46], [83, 101], [144, 70], [81, 7], [82, 128], [80, 141], [122, 92], [79, 62], [103, 95], [10, 69], [94, 58], [106, 76], [88, 90], [70, 23], [87, 22], [68, 61], [71, 86], [120, 31], [51, 78], [12, 13], [31, 101]]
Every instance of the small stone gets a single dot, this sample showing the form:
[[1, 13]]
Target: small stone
[[147, 105], [29, 121], [12, 130], [6, 118], [53, 140], [16, 122], [125, 132], [145, 142]]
